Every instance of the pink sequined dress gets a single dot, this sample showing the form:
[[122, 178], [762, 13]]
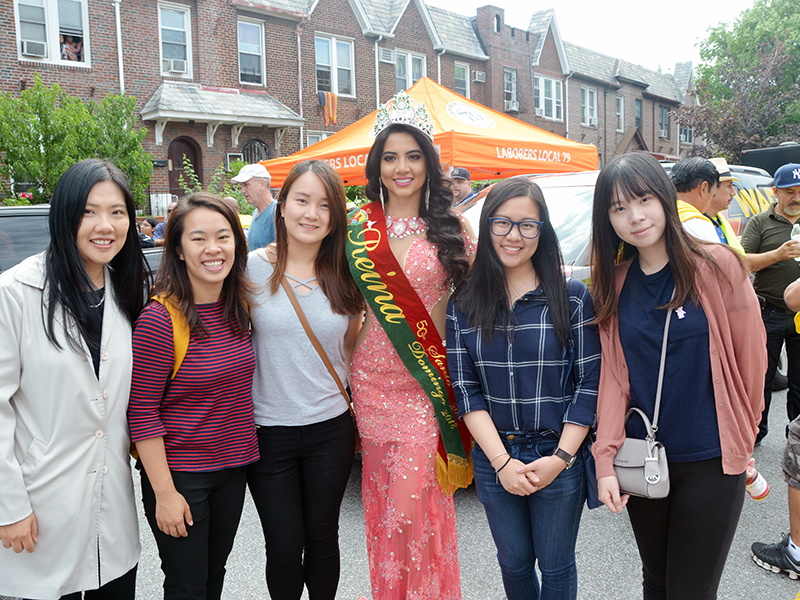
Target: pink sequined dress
[[411, 524]]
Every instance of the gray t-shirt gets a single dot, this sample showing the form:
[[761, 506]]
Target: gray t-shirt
[[291, 385]]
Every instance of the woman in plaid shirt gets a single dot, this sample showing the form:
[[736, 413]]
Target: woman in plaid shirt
[[525, 367]]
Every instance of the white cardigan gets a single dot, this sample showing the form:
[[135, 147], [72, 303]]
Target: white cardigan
[[64, 443]]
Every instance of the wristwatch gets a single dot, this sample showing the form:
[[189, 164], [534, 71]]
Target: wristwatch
[[565, 456]]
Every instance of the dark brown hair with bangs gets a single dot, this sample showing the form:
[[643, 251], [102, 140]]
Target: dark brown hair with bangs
[[633, 176], [173, 279], [330, 265]]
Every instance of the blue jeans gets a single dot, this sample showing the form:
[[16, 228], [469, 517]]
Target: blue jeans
[[542, 526]]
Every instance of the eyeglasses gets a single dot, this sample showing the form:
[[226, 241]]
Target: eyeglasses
[[528, 229]]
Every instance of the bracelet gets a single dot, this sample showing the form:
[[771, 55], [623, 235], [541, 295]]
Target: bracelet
[[503, 467], [498, 456]]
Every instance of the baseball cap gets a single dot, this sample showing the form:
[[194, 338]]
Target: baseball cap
[[723, 169], [250, 171], [787, 176], [459, 173]]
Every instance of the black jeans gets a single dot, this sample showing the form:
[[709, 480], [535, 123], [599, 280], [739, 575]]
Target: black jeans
[[298, 487], [780, 328], [194, 566], [684, 539]]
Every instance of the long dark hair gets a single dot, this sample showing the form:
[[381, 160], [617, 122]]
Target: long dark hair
[[67, 283], [173, 279], [632, 176], [330, 264], [479, 297], [444, 227]]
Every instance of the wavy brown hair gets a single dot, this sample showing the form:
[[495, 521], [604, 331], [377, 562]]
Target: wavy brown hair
[[330, 265], [173, 280], [444, 227]]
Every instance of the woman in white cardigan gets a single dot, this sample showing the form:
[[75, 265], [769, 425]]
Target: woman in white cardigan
[[67, 514]]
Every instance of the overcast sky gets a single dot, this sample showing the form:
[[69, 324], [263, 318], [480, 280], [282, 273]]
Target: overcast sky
[[647, 34]]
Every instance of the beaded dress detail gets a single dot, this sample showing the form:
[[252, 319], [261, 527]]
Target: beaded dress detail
[[411, 525]]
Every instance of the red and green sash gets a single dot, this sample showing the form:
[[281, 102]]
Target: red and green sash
[[410, 328]]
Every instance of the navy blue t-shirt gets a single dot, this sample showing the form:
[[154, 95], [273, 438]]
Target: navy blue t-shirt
[[687, 425]]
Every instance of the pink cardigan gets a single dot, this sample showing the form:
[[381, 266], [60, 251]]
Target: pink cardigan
[[738, 353]]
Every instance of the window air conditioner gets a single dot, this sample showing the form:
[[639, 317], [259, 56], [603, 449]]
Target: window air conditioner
[[684, 138], [177, 65], [479, 76], [593, 121], [539, 112], [386, 55], [31, 48], [663, 133], [512, 106]]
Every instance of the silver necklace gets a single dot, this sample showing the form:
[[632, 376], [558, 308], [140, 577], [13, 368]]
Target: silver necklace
[[102, 299], [522, 284]]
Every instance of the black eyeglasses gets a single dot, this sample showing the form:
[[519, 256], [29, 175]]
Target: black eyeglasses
[[528, 229]]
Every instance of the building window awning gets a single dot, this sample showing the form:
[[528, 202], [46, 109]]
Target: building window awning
[[182, 102]]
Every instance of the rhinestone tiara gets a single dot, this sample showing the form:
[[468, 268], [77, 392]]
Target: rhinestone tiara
[[403, 109]]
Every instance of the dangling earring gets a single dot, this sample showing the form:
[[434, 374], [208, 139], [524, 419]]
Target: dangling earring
[[428, 194], [383, 206]]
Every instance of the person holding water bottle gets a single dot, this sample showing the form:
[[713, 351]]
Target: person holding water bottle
[[769, 248]]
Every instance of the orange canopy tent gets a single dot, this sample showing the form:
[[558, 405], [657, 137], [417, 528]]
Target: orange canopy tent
[[490, 144]]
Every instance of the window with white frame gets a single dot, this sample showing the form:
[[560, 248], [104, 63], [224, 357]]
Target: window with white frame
[[620, 113], [251, 52], [174, 22], [315, 136], [334, 57], [462, 79], [686, 134], [409, 68], [663, 122], [53, 30], [510, 102], [547, 98], [588, 106]]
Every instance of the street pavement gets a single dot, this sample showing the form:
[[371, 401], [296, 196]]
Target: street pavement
[[608, 563]]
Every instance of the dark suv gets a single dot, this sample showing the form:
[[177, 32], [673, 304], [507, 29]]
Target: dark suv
[[24, 232]]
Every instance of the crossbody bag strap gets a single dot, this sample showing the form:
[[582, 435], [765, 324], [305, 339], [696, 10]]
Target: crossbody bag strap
[[654, 426], [314, 341]]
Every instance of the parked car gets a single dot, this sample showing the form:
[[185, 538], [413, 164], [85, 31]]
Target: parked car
[[569, 198], [24, 231]]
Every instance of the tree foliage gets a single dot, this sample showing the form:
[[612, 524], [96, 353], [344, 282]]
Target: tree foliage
[[45, 130], [747, 94]]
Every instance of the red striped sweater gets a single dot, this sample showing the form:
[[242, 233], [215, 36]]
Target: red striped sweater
[[206, 413]]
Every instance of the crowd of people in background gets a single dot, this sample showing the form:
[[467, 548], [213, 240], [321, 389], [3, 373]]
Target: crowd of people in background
[[467, 357]]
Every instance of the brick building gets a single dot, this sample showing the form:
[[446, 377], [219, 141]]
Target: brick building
[[218, 79]]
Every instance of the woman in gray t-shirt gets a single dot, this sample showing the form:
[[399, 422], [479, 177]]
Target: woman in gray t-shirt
[[306, 434]]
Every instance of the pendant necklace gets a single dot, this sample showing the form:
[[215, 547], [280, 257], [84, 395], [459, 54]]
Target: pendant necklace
[[102, 299], [522, 285]]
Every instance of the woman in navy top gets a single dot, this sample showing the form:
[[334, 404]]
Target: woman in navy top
[[645, 264], [194, 428], [525, 368]]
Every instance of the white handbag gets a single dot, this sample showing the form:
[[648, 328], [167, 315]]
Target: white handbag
[[641, 465]]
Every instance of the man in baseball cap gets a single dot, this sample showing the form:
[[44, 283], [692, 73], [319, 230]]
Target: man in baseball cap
[[254, 183], [720, 202], [462, 187], [770, 249]]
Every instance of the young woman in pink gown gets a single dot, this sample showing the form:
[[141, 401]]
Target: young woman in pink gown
[[410, 520]]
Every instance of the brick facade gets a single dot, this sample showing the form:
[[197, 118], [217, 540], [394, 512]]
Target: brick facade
[[214, 67]]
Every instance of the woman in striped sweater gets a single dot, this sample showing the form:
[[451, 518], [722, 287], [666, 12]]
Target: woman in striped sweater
[[192, 419]]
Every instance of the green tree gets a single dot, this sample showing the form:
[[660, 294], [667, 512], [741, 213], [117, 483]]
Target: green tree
[[45, 130], [220, 183]]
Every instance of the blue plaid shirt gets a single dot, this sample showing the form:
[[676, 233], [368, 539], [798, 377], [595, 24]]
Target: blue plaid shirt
[[522, 383]]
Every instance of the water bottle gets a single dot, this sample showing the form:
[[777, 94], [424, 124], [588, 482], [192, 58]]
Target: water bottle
[[796, 236], [757, 486]]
